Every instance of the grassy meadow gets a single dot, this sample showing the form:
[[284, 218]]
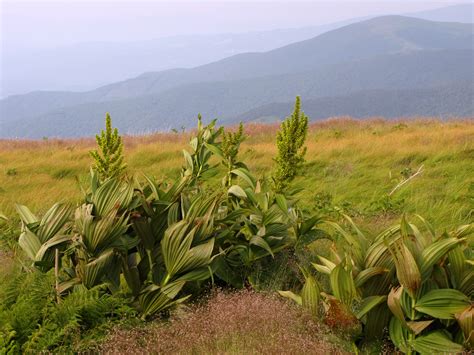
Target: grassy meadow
[[350, 164], [353, 166]]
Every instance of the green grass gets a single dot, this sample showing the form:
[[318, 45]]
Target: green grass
[[350, 164]]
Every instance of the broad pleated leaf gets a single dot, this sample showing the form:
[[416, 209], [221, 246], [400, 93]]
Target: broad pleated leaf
[[53, 242], [394, 303], [442, 303], [408, 273], [418, 326], [260, 242], [30, 243], [457, 265], [236, 190], [112, 195], [368, 304], [434, 252], [310, 295], [154, 299], [245, 175], [366, 274], [399, 334], [53, 220], [26, 215], [97, 268], [436, 342], [466, 322], [342, 284], [292, 296]]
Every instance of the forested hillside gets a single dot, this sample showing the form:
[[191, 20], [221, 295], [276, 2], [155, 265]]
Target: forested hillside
[[382, 54]]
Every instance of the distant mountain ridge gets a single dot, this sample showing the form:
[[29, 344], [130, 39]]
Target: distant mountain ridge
[[388, 53]]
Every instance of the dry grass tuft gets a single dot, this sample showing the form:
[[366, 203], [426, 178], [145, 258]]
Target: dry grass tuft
[[244, 322]]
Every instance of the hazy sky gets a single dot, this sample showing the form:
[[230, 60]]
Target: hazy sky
[[33, 24]]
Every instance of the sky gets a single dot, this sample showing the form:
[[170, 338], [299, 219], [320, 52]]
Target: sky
[[40, 24]]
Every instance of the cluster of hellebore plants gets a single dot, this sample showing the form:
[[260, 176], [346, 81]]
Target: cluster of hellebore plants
[[165, 240], [160, 242], [417, 284]]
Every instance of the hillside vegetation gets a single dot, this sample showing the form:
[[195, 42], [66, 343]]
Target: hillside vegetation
[[351, 164], [379, 64], [364, 226]]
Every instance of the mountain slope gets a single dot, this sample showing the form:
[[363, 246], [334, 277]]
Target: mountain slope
[[85, 66], [455, 100], [385, 53], [455, 13]]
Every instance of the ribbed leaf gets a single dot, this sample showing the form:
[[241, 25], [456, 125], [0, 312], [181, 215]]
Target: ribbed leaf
[[368, 304], [394, 303], [418, 326], [292, 296], [466, 322], [199, 256], [30, 243], [442, 303], [175, 245], [26, 215], [342, 284], [310, 295], [52, 222], [236, 190], [457, 265], [154, 299], [245, 175], [53, 242], [436, 342], [112, 195], [399, 334], [97, 268], [260, 242], [366, 274], [434, 252], [408, 273], [322, 269], [145, 233]]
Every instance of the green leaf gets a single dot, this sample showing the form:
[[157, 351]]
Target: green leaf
[[30, 243], [55, 241], [418, 326], [310, 295], [290, 295], [436, 342], [236, 190], [399, 334], [366, 274], [260, 242], [213, 148], [53, 220], [408, 273], [368, 304], [394, 303], [466, 322], [245, 175], [342, 284], [26, 215], [442, 303], [434, 252], [189, 160]]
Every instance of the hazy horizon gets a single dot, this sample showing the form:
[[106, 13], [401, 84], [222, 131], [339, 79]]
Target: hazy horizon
[[81, 45], [49, 24]]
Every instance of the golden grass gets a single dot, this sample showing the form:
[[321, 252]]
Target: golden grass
[[355, 161]]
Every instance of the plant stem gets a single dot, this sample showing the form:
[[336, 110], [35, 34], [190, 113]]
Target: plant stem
[[411, 336], [56, 273]]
